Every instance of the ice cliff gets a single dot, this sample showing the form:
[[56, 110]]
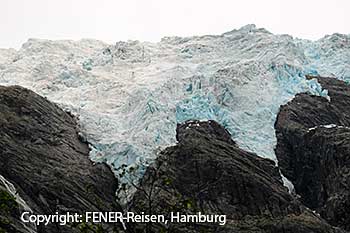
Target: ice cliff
[[130, 96]]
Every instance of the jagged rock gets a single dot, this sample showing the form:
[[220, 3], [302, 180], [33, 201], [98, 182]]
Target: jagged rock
[[41, 154], [313, 150], [206, 172]]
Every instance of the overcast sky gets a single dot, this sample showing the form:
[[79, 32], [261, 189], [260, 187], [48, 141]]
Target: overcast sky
[[150, 20]]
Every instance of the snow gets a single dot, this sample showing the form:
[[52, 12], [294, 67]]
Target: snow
[[130, 96], [330, 126]]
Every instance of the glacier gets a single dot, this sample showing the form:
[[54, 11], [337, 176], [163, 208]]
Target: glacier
[[130, 96]]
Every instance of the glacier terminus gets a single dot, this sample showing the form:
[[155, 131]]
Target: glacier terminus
[[130, 96]]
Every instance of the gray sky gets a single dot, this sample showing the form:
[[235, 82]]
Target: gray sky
[[150, 20]]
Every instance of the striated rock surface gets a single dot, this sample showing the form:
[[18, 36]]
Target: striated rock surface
[[42, 155], [206, 172], [313, 150]]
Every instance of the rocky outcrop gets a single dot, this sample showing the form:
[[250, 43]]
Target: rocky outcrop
[[42, 155], [313, 150], [206, 172]]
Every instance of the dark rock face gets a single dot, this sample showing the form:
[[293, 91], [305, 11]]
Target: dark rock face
[[206, 172], [313, 150], [339, 92], [41, 154]]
